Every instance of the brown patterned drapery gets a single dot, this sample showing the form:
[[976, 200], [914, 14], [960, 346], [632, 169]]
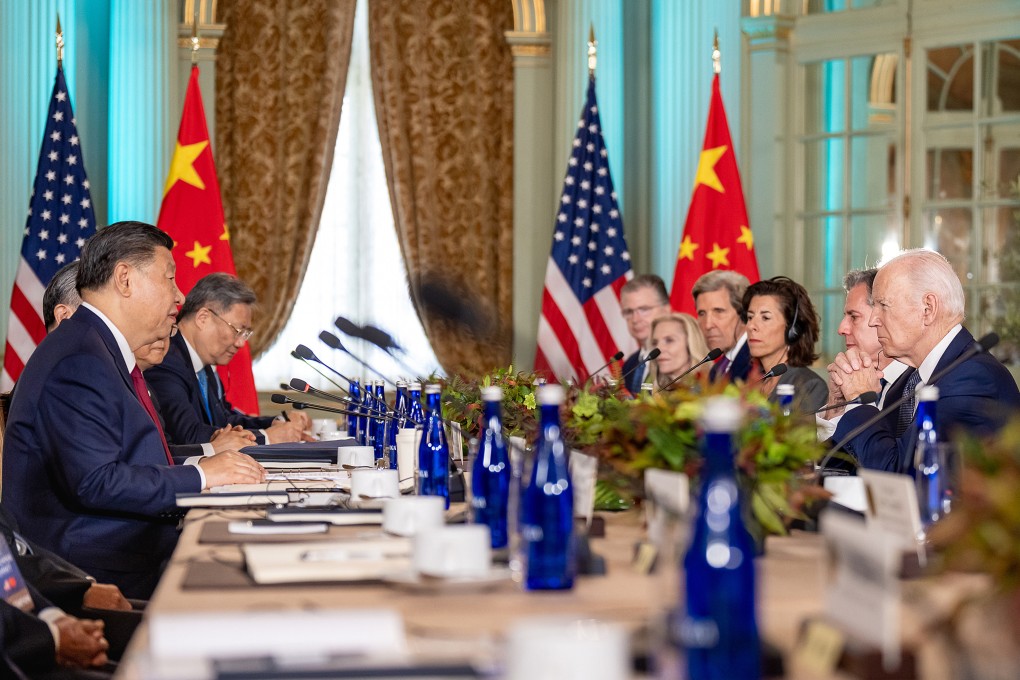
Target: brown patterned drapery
[[281, 70], [443, 81]]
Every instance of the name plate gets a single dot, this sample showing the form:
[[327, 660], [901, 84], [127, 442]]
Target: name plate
[[584, 472], [863, 593], [13, 589], [892, 506]]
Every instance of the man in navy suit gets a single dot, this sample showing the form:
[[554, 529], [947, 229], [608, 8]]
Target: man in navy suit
[[718, 299], [642, 300], [918, 312], [87, 472], [215, 322]]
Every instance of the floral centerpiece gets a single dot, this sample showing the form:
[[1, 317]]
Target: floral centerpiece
[[659, 431]]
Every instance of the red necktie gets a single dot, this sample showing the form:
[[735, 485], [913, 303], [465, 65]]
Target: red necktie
[[143, 396]]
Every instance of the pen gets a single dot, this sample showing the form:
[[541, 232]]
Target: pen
[[286, 418]]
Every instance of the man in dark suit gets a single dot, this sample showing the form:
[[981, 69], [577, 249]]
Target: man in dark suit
[[718, 299], [87, 472], [918, 311], [642, 300], [215, 322]]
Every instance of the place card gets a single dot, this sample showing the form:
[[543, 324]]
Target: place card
[[892, 506], [584, 470], [819, 648], [863, 593]]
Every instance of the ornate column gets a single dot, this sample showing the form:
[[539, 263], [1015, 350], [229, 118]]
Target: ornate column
[[143, 123], [209, 33], [534, 177], [767, 166]]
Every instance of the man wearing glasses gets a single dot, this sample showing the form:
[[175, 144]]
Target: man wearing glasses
[[215, 322], [642, 299]]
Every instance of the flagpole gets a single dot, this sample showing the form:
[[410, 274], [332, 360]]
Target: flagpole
[[716, 56], [592, 44], [60, 43], [194, 36]]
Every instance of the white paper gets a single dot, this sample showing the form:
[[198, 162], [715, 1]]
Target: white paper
[[893, 507], [327, 562], [848, 492], [584, 471]]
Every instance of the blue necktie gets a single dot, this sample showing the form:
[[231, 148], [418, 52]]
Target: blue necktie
[[906, 414], [203, 386]]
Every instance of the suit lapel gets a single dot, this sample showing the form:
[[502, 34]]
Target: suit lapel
[[88, 317]]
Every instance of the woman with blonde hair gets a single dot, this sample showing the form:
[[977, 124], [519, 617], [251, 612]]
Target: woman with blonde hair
[[681, 345]]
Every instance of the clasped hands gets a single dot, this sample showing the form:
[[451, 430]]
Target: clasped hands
[[852, 373]]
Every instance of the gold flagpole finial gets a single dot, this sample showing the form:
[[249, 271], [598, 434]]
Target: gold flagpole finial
[[716, 57], [60, 42], [592, 43], [194, 36]]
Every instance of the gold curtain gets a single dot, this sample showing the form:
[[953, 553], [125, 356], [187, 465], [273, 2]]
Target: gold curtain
[[281, 68], [443, 81]]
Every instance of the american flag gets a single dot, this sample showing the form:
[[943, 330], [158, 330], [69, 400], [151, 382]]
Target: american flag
[[60, 220], [581, 324]]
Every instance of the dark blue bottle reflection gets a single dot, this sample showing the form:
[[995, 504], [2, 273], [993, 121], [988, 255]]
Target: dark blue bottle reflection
[[929, 475], [547, 529], [490, 476], [434, 451], [720, 629]]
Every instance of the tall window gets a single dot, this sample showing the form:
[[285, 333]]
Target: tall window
[[356, 269], [851, 182], [970, 210]]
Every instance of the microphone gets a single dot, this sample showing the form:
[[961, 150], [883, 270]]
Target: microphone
[[284, 399], [312, 366], [711, 356], [615, 357], [983, 344], [654, 354], [374, 335], [863, 398], [301, 386], [335, 343], [777, 370], [348, 327]]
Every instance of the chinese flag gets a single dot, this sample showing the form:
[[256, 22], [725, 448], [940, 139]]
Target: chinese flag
[[192, 214], [716, 233]]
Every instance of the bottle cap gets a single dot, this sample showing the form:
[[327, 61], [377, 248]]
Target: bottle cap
[[722, 414], [492, 393], [551, 394], [928, 393], [786, 390], [401, 383], [433, 388], [416, 386]]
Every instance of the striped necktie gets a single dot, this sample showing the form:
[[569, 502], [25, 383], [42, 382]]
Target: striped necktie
[[906, 413]]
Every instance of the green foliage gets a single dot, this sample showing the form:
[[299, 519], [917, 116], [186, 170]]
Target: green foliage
[[655, 431], [982, 533]]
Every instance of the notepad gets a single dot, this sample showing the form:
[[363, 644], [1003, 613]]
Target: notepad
[[261, 527], [336, 516], [243, 499]]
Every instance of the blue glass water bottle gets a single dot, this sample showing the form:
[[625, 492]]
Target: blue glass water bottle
[[786, 393], [379, 422], [434, 450], [400, 403], [720, 628], [367, 407], [490, 475], [415, 414], [547, 530], [353, 420], [929, 472]]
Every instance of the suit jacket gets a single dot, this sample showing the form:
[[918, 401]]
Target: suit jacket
[[179, 452], [633, 381], [175, 385], [739, 367], [978, 395], [85, 474], [811, 390], [28, 645]]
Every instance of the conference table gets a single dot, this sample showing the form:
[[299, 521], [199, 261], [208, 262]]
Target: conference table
[[447, 624]]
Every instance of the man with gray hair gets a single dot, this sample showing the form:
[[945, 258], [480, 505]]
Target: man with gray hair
[[718, 300], [918, 314], [643, 299], [215, 322], [60, 299], [861, 340]]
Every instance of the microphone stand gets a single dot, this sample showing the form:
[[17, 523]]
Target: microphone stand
[[711, 356]]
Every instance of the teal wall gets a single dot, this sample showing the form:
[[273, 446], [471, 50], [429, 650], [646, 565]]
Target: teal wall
[[120, 71]]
